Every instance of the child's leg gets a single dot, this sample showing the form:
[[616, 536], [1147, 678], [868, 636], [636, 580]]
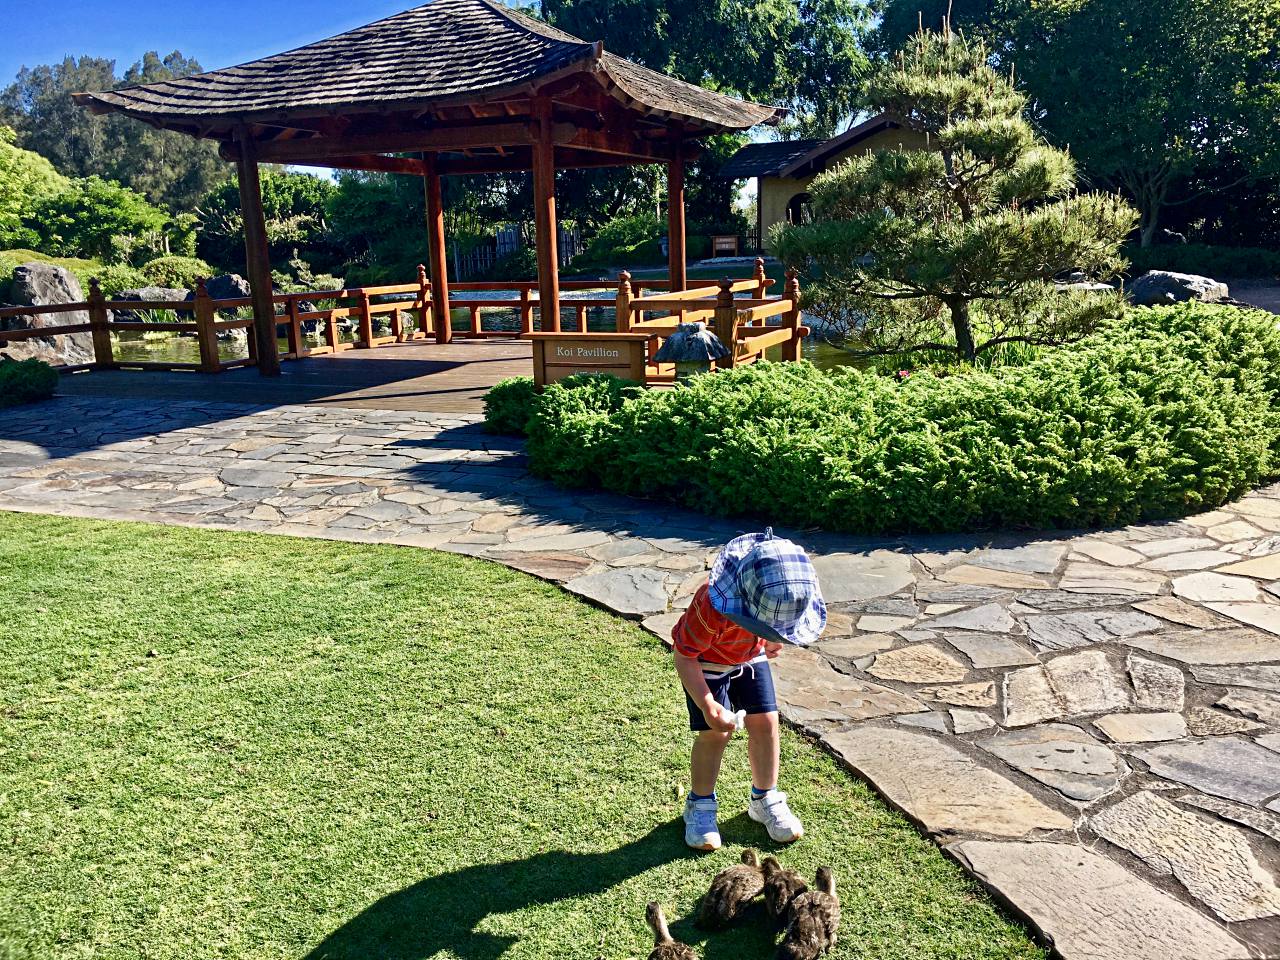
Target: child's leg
[[704, 765], [763, 749]]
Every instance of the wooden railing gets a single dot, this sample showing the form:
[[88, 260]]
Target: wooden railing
[[741, 322]]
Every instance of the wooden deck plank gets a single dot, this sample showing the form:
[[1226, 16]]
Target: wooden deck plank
[[422, 376]]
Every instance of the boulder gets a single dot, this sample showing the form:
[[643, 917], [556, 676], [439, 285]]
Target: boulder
[[1159, 287], [46, 284], [228, 286], [151, 294]]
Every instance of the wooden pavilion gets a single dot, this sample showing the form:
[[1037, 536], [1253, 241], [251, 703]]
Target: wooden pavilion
[[450, 87]]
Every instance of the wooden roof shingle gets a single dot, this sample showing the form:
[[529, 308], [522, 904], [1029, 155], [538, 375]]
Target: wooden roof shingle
[[444, 52]]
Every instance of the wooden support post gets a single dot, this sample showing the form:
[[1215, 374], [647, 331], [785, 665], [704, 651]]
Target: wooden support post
[[544, 215], [296, 346], [580, 317], [206, 336], [103, 358], [526, 311], [760, 213], [397, 325], [366, 320], [761, 279], [331, 335], [437, 264], [257, 258], [726, 321], [792, 349], [424, 301], [675, 213], [622, 306], [476, 324]]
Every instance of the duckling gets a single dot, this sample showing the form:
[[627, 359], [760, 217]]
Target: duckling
[[731, 892], [664, 947], [781, 886], [815, 915]]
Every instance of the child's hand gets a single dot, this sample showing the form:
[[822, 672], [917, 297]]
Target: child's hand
[[771, 649], [720, 719]]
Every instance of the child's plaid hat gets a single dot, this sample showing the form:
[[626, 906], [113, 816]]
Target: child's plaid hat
[[768, 586]]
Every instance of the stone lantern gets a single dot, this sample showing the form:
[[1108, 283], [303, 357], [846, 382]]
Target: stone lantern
[[692, 348]]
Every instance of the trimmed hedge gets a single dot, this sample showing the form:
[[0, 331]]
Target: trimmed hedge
[[25, 381], [507, 406], [1163, 413], [176, 272]]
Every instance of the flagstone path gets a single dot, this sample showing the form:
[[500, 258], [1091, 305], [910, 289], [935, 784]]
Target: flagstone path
[[1089, 724]]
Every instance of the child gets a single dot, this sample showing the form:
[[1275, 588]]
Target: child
[[762, 592]]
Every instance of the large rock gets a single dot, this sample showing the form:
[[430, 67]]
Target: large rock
[[1157, 287], [228, 286], [42, 285], [811, 691], [1228, 767], [1093, 909], [1061, 756], [946, 791], [148, 294], [1213, 860]]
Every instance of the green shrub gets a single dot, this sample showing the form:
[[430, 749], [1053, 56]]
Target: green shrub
[[626, 241], [1206, 260], [507, 406], [520, 264], [117, 277], [176, 272], [1161, 413], [25, 381], [574, 426]]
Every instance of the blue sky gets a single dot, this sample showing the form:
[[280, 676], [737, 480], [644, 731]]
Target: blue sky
[[218, 33]]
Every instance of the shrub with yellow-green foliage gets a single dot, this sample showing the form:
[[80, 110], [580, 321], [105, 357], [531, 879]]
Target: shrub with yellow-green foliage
[[1161, 413]]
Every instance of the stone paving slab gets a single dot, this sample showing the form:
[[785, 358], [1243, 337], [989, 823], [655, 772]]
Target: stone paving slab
[[1038, 703]]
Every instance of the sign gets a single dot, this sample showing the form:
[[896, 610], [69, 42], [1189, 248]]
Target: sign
[[560, 355]]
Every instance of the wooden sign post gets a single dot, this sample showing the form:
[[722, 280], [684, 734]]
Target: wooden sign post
[[560, 355]]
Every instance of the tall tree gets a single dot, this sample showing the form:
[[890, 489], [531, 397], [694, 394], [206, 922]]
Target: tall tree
[[802, 54], [906, 243], [1153, 98], [168, 168], [26, 180]]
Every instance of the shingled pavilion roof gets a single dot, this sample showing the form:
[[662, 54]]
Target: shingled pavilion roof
[[447, 52]]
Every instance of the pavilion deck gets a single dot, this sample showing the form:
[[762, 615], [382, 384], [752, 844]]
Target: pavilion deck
[[420, 375]]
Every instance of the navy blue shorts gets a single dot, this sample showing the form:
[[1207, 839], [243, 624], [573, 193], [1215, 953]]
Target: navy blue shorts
[[748, 688]]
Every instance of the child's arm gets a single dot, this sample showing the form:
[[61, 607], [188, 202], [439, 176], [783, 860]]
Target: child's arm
[[718, 718]]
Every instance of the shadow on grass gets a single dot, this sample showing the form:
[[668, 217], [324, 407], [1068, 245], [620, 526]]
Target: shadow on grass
[[440, 914]]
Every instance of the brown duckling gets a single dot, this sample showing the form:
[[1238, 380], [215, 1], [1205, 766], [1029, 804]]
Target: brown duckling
[[731, 892], [815, 915], [781, 886], [664, 947]]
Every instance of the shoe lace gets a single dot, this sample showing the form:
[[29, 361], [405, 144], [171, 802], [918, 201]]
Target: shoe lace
[[775, 804]]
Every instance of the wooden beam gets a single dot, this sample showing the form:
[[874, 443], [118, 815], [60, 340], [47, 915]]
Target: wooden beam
[[372, 161], [472, 135], [676, 259], [544, 215], [437, 265], [522, 159], [257, 258]]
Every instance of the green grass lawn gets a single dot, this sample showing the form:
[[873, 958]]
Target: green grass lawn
[[227, 745]]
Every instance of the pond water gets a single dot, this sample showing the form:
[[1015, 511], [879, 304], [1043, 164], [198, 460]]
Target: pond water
[[176, 348]]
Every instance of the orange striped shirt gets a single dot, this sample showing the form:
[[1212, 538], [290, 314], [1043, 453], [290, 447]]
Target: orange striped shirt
[[704, 633]]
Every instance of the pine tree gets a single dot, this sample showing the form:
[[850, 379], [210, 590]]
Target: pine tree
[[954, 247]]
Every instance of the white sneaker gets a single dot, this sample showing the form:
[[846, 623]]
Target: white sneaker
[[772, 810], [700, 830]]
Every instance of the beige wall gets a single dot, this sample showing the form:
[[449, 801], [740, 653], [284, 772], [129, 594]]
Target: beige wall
[[776, 192]]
